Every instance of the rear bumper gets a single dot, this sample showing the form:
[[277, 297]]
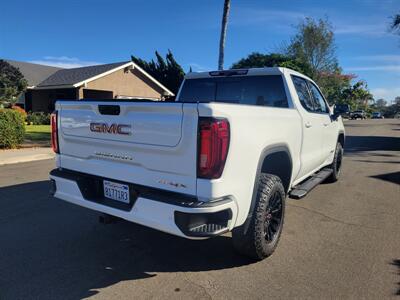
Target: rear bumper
[[173, 213]]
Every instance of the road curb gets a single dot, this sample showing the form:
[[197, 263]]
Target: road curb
[[9, 157]]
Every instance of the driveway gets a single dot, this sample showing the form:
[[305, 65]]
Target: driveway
[[341, 241]]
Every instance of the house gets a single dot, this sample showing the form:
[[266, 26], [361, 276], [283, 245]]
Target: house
[[33, 73], [122, 80]]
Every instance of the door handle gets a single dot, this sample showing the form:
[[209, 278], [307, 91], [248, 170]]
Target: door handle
[[308, 124]]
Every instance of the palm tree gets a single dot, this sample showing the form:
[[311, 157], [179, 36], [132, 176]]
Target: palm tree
[[225, 15], [396, 22]]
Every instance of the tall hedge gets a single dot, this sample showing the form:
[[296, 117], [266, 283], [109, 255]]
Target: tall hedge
[[12, 128]]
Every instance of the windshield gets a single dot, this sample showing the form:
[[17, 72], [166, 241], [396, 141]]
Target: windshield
[[252, 90]]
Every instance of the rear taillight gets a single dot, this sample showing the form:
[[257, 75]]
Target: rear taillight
[[54, 132], [213, 147]]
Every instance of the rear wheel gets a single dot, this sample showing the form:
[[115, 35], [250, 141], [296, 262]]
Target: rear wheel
[[336, 164], [260, 239]]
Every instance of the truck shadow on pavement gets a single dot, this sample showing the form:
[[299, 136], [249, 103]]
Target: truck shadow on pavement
[[50, 249], [358, 145], [355, 144], [390, 177], [396, 263]]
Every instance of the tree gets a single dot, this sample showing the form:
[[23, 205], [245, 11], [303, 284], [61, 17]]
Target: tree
[[224, 25], [167, 71], [12, 82], [380, 103], [312, 52], [333, 85], [395, 25], [314, 44], [259, 60], [392, 110], [357, 95]]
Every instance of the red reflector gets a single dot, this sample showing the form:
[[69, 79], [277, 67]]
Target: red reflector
[[54, 132], [213, 147]]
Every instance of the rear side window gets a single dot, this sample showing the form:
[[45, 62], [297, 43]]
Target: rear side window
[[302, 91], [318, 99], [251, 90]]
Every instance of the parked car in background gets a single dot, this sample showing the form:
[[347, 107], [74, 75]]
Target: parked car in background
[[377, 115], [358, 114], [343, 110]]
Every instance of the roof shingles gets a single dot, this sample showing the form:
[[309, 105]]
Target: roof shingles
[[76, 75], [33, 73]]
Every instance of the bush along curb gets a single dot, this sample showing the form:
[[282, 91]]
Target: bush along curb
[[12, 129]]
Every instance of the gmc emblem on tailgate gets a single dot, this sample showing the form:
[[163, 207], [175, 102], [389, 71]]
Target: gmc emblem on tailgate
[[112, 129]]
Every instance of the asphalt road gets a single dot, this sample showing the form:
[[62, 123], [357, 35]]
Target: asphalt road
[[341, 241]]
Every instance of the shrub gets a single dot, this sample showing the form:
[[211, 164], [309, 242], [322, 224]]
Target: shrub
[[12, 128], [21, 111], [38, 118]]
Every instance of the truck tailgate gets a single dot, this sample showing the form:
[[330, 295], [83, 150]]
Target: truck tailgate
[[149, 143]]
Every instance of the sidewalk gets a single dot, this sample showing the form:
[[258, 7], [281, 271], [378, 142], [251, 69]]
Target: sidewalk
[[24, 155]]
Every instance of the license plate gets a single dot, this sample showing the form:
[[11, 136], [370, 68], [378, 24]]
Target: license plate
[[116, 191]]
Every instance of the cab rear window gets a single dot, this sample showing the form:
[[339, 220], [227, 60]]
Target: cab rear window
[[251, 90]]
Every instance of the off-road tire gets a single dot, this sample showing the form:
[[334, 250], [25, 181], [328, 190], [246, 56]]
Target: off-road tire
[[253, 238], [336, 164]]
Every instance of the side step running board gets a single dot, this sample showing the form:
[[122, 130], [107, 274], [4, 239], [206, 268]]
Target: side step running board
[[302, 189]]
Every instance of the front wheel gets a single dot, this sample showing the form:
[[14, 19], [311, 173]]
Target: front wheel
[[336, 164], [260, 237]]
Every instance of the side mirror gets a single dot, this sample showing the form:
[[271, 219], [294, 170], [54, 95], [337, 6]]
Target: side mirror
[[336, 114]]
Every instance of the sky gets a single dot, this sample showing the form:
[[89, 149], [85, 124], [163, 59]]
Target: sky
[[86, 32]]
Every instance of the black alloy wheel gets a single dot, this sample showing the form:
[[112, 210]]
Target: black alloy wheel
[[273, 217]]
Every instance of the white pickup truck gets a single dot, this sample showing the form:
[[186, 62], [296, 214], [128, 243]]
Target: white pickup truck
[[222, 157]]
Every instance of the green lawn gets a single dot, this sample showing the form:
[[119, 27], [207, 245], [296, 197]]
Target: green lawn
[[37, 133]]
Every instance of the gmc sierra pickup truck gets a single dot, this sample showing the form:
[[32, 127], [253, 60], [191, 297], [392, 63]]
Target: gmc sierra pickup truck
[[223, 157]]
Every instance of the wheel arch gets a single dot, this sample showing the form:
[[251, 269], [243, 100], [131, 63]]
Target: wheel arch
[[277, 160], [341, 138]]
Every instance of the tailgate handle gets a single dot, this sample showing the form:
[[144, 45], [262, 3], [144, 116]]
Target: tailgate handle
[[112, 110]]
